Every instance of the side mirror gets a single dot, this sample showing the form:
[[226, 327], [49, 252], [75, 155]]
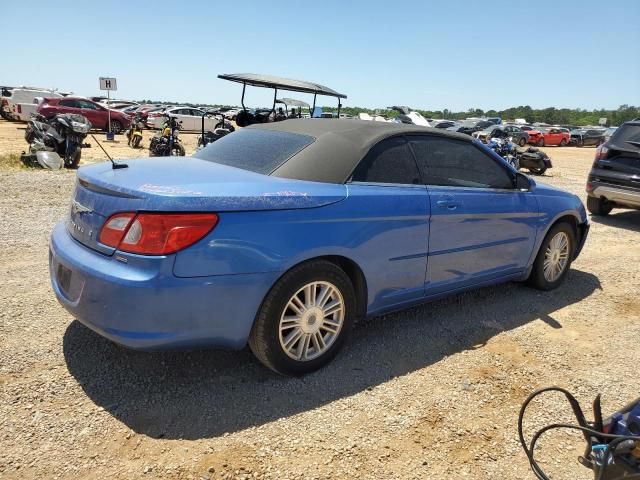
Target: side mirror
[[522, 182]]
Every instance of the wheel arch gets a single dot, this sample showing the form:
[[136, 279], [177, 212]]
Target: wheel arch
[[350, 268], [565, 217]]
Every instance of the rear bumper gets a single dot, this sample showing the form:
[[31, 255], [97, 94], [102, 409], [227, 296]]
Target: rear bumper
[[144, 306], [614, 193]]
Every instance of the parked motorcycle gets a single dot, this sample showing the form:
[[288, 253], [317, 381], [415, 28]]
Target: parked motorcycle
[[533, 159], [222, 128], [166, 143], [506, 149], [61, 137], [134, 132]]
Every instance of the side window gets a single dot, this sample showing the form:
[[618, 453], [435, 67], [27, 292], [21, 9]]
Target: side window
[[69, 103], [390, 161], [86, 105], [455, 163]]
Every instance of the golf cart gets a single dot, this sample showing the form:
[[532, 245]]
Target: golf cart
[[222, 128], [246, 117], [296, 108]]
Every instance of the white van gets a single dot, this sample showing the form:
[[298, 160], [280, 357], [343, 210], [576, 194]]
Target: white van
[[23, 99]]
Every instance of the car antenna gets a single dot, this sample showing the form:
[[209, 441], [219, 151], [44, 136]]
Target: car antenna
[[114, 165]]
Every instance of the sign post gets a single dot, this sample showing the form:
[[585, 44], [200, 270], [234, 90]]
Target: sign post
[[108, 84]]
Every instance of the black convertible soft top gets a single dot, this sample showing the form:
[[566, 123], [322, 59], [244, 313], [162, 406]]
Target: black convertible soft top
[[339, 145]]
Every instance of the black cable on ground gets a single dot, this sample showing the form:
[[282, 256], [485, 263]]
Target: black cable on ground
[[584, 427]]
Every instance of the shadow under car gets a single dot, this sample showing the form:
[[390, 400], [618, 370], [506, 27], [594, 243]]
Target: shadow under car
[[203, 394]]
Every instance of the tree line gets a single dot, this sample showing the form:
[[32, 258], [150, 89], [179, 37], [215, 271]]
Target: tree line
[[551, 115]]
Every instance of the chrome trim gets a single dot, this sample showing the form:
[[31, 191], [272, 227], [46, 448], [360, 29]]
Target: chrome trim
[[617, 195]]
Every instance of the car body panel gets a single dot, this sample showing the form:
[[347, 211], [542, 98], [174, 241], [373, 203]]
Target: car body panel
[[389, 243], [97, 114], [190, 117], [495, 231], [587, 137], [404, 239], [555, 136], [136, 301]]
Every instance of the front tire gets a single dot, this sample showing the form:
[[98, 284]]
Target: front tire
[[178, 150], [563, 143], [73, 164], [540, 142], [599, 206], [135, 142], [116, 127], [522, 142], [305, 319], [554, 258]]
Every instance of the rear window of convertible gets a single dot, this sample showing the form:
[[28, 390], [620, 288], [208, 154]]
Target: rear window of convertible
[[260, 151]]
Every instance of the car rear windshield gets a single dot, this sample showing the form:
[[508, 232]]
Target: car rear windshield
[[626, 137], [256, 150]]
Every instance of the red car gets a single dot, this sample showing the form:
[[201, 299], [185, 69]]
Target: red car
[[554, 136], [97, 114], [534, 133]]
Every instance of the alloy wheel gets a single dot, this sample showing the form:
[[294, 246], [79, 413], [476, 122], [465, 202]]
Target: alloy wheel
[[311, 321], [556, 257]]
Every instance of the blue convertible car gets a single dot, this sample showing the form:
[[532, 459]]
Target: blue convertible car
[[282, 235]]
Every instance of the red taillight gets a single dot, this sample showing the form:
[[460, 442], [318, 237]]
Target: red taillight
[[19, 108], [115, 228], [601, 152], [156, 233], [589, 187]]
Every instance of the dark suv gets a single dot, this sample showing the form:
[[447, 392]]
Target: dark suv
[[614, 180]]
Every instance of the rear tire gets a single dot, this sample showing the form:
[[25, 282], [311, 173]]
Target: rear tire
[[538, 171], [522, 142], [135, 142], [540, 142], [554, 258], [599, 206], [75, 162], [311, 335], [563, 143]]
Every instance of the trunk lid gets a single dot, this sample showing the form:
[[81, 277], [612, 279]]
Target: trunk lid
[[182, 184]]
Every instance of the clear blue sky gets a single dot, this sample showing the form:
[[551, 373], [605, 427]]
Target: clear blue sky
[[454, 54]]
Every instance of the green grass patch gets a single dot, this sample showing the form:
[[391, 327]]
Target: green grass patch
[[11, 161]]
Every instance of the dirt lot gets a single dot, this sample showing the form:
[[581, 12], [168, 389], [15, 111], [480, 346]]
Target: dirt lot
[[432, 392], [12, 141]]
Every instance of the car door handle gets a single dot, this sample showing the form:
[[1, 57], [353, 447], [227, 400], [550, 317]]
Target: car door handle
[[448, 204]]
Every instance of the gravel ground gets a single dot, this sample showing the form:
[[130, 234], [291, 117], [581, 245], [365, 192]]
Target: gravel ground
[[432, 392]]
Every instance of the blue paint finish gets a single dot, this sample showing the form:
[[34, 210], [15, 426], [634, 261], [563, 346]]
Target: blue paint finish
[[141, 304], [409, 245], [477, 234]]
